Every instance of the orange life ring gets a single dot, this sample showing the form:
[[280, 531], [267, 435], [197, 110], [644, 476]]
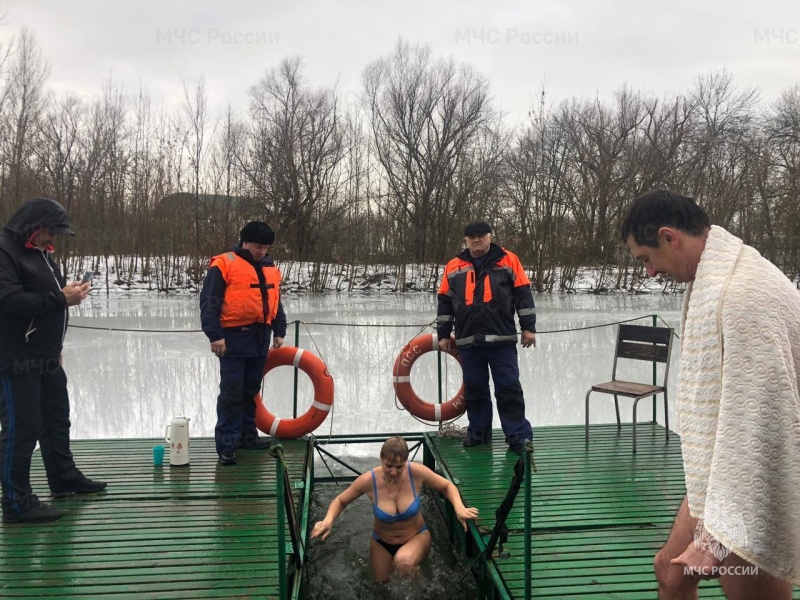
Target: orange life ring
[[401, 373], [323, 394]]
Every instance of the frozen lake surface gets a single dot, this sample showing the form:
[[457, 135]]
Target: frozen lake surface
[[130, 383]]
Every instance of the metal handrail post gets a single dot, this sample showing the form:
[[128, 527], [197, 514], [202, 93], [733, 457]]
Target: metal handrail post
[[296, 369], [282, 568], [528, 518], [439, 374]]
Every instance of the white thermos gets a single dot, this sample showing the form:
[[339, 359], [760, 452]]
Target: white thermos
[[177, 434]]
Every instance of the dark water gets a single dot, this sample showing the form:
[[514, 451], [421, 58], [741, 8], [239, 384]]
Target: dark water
[[338, 568]]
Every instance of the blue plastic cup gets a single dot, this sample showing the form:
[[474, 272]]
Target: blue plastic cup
[[158, 455]]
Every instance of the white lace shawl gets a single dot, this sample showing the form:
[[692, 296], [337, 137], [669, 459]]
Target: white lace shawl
[[738, 404]]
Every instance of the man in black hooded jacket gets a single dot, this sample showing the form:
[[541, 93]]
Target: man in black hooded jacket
[[34, 403]]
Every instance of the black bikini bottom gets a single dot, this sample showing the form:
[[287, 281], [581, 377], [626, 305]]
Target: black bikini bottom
[[393, 548]]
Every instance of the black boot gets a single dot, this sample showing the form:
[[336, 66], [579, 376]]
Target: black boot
[[78, 485], [227, 458], [39, 513], [511, 406], [255, 441], [477, 437]]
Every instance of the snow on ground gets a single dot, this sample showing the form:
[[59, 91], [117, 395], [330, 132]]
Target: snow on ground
[[173, 276]]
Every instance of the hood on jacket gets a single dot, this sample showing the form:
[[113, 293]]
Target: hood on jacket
[[35, 214]]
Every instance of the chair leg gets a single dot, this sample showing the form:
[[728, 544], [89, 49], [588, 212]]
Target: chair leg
[[616, 407], [589, 393], [635, 405], [666, 413]]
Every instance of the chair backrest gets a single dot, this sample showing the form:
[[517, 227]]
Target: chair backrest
[[639, 342]]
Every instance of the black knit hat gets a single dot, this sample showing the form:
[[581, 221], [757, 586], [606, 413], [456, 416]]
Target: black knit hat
[[257, 232], [477, 228]]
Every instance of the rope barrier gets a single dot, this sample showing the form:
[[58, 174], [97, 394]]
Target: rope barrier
[[378, 325], [72, 325], [305, 323]]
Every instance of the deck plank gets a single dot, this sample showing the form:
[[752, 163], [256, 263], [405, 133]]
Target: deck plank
[[206, 531], [599, 514], [203, 531]]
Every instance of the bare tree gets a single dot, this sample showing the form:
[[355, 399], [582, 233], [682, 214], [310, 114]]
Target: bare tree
[[24, 101], [156, 191], [781, 177], [718, 172], [231, 200], [533, 186], [428, 117], [296, 154], [195, 118], [58, 154], [602, 142]]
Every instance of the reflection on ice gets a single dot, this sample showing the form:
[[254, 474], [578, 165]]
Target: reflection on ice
[[130, 384]]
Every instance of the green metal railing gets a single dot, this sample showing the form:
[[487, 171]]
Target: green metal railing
[[307, 485], [528, 460], [439, 367], [489, 576], [415, 441], [280, 491], [489, 579], [290, 572]]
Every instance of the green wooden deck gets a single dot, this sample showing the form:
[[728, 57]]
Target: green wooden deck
[[599, 515], [172, 532]]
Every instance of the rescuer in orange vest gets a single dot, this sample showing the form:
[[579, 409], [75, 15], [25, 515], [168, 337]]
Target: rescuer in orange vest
[[481, 289], [240, 309]]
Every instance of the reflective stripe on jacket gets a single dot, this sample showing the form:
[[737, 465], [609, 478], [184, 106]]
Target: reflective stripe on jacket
[[481, 304], [245, 302]]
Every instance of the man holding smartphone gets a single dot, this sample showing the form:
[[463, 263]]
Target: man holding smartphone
[[34, 403]]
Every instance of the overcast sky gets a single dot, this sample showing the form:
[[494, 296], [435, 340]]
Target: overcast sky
[[577, 48]]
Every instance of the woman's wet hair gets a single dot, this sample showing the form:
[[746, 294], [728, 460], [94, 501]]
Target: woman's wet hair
[[395, 447]]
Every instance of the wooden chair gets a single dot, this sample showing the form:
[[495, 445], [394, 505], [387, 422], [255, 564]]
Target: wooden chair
[[637, 342]]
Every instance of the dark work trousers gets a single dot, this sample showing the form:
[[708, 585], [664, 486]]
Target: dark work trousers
[[33, 407], [240, 381], [476, 361]]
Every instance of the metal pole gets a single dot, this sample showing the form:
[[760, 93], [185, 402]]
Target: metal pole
[[528, 517], [655, 371], [282, 576], [439, 374], [297, 344]]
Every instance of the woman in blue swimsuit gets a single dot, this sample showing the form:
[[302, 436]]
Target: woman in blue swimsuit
[[400, 539]]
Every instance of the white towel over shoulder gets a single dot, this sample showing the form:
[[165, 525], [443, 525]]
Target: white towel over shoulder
[[738, 404]]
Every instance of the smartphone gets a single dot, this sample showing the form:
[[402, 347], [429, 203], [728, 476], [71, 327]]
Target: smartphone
[[87, 277]]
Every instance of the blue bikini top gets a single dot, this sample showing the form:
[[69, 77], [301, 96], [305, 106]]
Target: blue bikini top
[[385, 517]]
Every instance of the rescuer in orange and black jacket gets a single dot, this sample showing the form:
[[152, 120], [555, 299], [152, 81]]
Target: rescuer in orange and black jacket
[[240, 308], [481, 289]]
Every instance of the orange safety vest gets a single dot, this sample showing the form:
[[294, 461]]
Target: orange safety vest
[[482, 307], [509, 265], [243, 303]]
